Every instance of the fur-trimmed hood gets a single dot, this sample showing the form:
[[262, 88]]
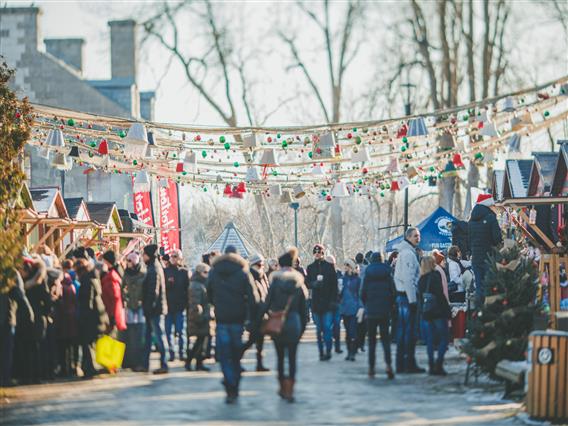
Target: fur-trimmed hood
[[229, 263], [289, 279]]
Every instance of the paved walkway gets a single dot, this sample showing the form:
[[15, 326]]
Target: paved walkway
[[335, 392]]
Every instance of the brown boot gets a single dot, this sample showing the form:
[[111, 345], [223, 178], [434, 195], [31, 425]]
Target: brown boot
[[288, 389], [281, 388]]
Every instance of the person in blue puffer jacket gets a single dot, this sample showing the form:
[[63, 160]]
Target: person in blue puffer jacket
[[349, 306]]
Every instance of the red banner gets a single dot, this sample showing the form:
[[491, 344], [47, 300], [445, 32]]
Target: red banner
[[169, 217], [143, 207]]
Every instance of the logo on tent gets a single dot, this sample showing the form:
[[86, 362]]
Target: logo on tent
[[443, 225]]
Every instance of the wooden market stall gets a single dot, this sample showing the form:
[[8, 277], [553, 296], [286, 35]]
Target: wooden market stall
[[105, 214]]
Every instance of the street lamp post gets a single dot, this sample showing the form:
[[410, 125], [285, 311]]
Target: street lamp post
[[295, 206], [407, 111]]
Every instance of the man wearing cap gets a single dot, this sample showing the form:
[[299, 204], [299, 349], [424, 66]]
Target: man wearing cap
[[322, 281], [406, 276], [154, 305], [484, 236], [177, 284], [261, 282], [233, 294]]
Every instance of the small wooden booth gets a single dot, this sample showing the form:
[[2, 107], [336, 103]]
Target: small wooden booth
[[106, 215]]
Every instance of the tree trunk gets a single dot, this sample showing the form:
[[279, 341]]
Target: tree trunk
[[446, 186], [337, 229], [470, 53], [472, 182]]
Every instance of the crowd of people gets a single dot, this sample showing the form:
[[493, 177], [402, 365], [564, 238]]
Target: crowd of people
[[53, 316]]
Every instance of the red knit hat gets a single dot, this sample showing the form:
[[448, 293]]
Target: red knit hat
[[485, 200]]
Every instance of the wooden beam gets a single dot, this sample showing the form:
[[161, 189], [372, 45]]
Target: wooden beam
[[63, 234], [44, 238], [34, 226], [536, 229]]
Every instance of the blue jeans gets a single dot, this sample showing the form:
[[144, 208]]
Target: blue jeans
[[154, 329], [436, 329], [337, 329], [350, 323], [406, 328], [228, 351], [479, 270], [324, 326], [175, 320]]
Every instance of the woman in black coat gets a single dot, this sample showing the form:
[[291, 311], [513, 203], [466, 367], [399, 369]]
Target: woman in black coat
[[287, 289], [93, 319], [378, 296], [436, 313]]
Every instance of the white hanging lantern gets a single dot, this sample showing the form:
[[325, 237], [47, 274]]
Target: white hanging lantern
[[417, 127], [324, 146], [136, 141], [61, 162], [275, 190], [488, 130], [250, 141], [286, 197], [268, 158], [190, 162], [252, 174], [299, 191], [339, 190], [360, 154], [393, 167], [318, 171], [509, 104], [55, 139], [142, 182]]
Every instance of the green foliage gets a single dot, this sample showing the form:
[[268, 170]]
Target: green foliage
[[15, 122], [501, 327]]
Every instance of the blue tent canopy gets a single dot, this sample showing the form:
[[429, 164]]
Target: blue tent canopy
[[434, 230]]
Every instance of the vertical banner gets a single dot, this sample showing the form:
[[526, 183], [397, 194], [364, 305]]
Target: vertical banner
[[143, 206], [169, 217]]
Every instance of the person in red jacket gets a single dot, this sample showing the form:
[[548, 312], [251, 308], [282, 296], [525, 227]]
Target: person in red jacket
[[111, 294]]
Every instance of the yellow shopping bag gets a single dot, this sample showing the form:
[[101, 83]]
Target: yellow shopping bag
[[110, 353]]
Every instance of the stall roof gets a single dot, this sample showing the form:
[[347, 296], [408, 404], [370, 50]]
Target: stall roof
[[74, 206], [497, 184], [231, 236], [517, 175], [542, 172], [559, 183], [104, 212], [48, 198]]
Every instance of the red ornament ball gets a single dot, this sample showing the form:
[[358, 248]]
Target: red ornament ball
[[18, 115], [328, 198], [365, 170], [198, 138], [269, 139], [349, 135]]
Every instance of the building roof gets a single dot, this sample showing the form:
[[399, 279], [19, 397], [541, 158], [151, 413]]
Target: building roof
[[74, 206], [517, 175], [103, 212], [542, 172], [561, 171], [44, 198], [231, 236]]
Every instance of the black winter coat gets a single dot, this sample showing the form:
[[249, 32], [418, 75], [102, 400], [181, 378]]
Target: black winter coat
[[378, 292], [324, 293], [177, 284], [286, 283], [432, 283], [154, 301], [231, 290], [484, 233], [93, 319], [14, 305]]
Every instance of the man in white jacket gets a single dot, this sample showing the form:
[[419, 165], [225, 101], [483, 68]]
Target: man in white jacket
[[406, 276]]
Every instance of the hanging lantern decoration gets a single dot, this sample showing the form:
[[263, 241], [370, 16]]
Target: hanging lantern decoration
[[445, 141], [318, 171], [253, 174], [241, 188], [163, 183], [402, 131], [142, 182], [450, 170], [417, 127], [61, 162], [268, 158], [136, 141], [411, 172], [228, 191], [360, 155], [323, 146], [179, 167], [55, 139], [236, 194], [250, 141], [339, 190], [508, 104], [299, 191], [74, 152], [457, 161], [432, 181], [514, 143], [286, 197], [393, 167], [103, 147], [394, 186], [275, 190], [190, 162]]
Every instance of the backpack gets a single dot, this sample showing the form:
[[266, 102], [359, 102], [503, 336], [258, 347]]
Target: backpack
[[429, 301]]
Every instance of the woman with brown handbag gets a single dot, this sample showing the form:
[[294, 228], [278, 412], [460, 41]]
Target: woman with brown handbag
[[287, 308]]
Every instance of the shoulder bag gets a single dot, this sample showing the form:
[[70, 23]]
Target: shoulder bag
[[429, 301], [273, 325]]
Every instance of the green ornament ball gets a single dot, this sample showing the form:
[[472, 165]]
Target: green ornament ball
[[222, 139], [432, 168], [204, 189], [403, 148], [122, 134], [135, 162], [354, 129], [404, 139], [227, 146], [274, 173], [310, 154], [358, 140], [92, 144], [70, 122], [236, 164], [546, 113], [284, 144], [382, 194], [184, 173], [204, 154], [174, 155], [360, 182], [278, 135]]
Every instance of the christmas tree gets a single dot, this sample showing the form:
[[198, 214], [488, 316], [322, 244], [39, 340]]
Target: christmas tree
[[15, 121], [500, 328]]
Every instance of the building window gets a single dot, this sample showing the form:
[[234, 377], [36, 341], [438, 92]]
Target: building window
[[5, 33]]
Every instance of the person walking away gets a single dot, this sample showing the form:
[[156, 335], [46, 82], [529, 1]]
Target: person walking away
[[349, 306], [93, 320], [336, 330], [112, 295], [436, 312], [378, 295], [198, 317], [261, 282], [484, 236], [406, 275], [322, 281], [233, 294], [459, 272], [133, 287], [14, 309], [155, 306], [177, 284], [66, 326], [362, 262], [287, 290]]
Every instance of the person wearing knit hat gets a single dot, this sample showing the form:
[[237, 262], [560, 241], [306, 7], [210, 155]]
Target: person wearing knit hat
[[484, 237], [322, 281], [154, 304]]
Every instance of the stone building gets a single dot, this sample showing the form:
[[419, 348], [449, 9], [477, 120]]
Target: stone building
[[53, 76]]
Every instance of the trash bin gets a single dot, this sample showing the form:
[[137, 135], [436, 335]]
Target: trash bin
[[547, 396]]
